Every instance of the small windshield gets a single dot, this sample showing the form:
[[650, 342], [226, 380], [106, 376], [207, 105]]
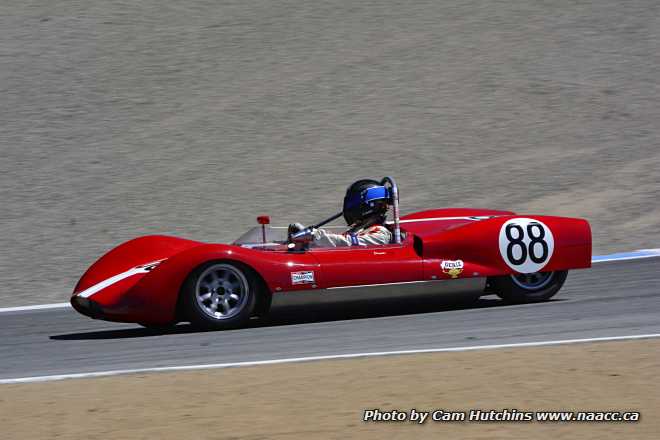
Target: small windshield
[[274, 235]]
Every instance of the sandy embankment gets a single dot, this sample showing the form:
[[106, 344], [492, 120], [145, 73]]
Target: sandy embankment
[[326, 400]]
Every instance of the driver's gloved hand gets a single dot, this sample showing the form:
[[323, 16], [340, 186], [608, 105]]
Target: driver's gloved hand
[[295, 227]]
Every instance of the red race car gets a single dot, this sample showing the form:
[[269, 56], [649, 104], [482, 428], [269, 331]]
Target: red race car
[[157, 281]]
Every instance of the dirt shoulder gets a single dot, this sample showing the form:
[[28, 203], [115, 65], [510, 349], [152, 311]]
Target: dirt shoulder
[[327, 399]]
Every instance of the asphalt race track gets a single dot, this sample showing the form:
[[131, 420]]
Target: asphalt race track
[[612, 299]]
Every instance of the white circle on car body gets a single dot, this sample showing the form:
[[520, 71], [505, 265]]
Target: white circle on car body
[[526, 245]]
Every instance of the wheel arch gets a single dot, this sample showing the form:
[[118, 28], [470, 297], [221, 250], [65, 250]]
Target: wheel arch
[[263, 292], [160, 289]]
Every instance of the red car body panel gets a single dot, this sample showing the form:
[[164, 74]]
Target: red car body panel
[[362, 265], [150, 295]]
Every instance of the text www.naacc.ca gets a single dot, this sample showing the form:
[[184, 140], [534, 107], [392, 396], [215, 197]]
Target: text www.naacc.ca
[[377, 415]]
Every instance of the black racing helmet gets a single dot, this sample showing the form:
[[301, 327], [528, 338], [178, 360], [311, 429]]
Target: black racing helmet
[[366, 201]]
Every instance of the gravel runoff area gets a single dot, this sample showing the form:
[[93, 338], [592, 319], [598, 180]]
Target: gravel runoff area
[[121, 118], [328, 399]]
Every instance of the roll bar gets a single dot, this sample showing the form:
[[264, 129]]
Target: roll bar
[[395, 206]]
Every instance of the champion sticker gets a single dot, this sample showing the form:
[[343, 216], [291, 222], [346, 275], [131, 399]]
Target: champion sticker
[[306, 277], [453, 268]]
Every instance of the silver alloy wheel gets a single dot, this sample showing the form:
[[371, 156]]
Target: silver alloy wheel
[[221, 291], [533, 281]]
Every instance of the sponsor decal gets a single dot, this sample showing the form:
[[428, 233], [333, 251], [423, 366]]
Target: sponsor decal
[[150, 266], [453, 268], [306, 277]]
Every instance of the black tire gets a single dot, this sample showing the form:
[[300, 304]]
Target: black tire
[[514, 290], [198, 311]]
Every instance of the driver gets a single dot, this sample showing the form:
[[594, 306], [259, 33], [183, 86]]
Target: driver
[[365, 210]]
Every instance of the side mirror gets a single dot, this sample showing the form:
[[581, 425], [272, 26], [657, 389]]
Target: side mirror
[[263, 220]]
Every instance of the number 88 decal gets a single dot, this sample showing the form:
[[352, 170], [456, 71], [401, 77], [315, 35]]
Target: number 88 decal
[[526, 245]]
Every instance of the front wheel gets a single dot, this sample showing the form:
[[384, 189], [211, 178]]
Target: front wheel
[[528, 288], [219, 295]]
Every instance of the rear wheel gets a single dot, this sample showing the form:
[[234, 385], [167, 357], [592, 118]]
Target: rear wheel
[[528, 288], [219, 295]]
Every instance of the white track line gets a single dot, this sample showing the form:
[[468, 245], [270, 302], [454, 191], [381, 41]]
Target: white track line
[[635, 255], [316, 358], [622, 256], [37, 307]]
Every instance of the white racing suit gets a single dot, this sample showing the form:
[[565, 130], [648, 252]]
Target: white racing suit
[[373, 235]]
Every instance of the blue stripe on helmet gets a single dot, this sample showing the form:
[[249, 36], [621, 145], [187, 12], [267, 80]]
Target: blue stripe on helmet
[[375, 193], [369, 195]]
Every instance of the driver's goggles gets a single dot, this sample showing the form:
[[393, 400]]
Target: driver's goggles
[[375, 193]]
